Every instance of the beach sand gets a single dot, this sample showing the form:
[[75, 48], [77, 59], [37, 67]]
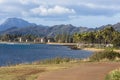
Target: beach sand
[[93, 49], [98, 50]]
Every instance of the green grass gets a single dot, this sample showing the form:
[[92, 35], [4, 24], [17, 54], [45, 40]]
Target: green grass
[[113, 75]]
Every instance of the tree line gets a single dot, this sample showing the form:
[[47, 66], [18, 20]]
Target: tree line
[[15, 37], [60, 38], [106, 36]]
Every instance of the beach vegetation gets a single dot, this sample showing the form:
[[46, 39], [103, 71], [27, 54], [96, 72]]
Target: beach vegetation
[[113, 75], [108, 55]]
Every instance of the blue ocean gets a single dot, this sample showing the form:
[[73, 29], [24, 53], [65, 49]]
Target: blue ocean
[[27, 53]]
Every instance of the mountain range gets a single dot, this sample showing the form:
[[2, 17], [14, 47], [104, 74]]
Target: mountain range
[[20, 26]]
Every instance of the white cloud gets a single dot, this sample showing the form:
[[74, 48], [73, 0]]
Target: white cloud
[[100, 6], [28, 1], [56, 10], [2, 1], [66, 11]]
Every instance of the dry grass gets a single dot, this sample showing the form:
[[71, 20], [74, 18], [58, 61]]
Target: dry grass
[[29, 71], [20, 72]]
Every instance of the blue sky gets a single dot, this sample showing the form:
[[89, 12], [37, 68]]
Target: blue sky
[[86, 13]]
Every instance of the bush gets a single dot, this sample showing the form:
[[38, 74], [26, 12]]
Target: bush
[[113, 75], [107, 54]]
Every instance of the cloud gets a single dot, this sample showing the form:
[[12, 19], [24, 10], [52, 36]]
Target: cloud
[[44, 8], [1, 1], [47, 11], [50, 12], [60, 10], [27, 2], [100, 6]]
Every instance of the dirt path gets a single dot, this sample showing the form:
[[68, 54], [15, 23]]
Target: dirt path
[[84, 71]]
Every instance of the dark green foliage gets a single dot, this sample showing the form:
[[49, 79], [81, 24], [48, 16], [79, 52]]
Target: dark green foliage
[[29, 37], [105, 36], [107, 54], [116, 39], [15, 37]]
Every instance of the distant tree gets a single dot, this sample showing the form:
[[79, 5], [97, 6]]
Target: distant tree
[[91, 37], [63, 38], [106, 36], [57, 38], [99, 37], [6, 37], [77, 37], [29, 37], [116, 39]]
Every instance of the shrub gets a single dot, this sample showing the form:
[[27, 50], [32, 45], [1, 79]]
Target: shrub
[[107, 54], [113, 75]]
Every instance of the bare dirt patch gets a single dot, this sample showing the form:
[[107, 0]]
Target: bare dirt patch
[[84, 71]]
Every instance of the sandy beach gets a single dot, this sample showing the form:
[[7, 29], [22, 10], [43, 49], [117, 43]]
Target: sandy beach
[[98, 50], [64, 44], [93, 49]]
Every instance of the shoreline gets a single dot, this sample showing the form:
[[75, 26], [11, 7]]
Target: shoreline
[[63, 44], [51, 43], [20, 43], [98, 50], [93, 49]]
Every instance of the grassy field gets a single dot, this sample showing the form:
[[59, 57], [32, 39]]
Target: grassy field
[[31, 71]]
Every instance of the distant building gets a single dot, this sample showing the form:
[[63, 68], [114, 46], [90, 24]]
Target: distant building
[[109, 45], [26, 40], [37, 40], [9, 40], [20, 39], [48, 40], [34, 41], [42, 40]]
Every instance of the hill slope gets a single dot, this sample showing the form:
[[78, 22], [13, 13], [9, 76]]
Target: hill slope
[[20, 26], [15, 22]]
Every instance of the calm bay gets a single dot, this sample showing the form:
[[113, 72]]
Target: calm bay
[[27, 53]]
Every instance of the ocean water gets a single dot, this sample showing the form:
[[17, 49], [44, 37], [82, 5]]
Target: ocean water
[[27, 53]]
